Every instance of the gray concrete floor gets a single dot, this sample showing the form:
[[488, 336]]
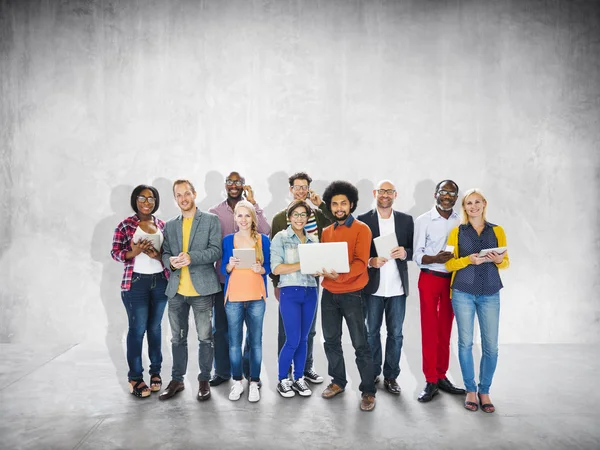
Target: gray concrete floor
[[74, 396]]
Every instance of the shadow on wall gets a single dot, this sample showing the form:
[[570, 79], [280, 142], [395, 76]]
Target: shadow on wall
[[168, 207], [112, 273], [365, 196], [214, 187], [279, 189]]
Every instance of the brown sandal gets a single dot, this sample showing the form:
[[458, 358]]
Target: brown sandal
[[139, 389], [155, 382]]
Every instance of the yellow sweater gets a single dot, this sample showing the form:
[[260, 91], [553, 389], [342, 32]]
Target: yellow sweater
[[457, 263]]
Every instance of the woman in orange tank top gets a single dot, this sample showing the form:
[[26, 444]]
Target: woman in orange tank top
[[245, 294]]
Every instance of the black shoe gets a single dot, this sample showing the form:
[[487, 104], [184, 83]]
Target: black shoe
[[217, 380], [445, 385], [376, 379], [391, 385], [430, 391]]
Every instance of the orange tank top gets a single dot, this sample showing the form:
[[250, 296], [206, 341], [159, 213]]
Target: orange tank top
[[245, 284]]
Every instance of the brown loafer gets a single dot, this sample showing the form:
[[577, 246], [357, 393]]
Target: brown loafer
[[332, 390], [367, 402], [173, 388], [203, 390], [391, 386]]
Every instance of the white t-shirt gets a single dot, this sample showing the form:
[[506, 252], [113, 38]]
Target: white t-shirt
[[143, 263], [390, 284]]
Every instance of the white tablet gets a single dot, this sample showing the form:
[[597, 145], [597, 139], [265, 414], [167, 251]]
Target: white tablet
[[247, 257], [498, 250], [385, 244], [329, 256], [154, 238]]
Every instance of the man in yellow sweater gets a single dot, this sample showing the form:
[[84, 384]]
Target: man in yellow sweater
[[191, 247], [342, 294]]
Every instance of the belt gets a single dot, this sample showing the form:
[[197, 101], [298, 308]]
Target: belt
[[437, 274]]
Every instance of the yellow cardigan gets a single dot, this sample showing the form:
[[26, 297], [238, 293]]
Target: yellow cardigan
[[457, 263]]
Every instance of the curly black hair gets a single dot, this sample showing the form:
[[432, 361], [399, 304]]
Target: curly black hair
[[300, 176], [443, 182], [340, 187], [136, 193]]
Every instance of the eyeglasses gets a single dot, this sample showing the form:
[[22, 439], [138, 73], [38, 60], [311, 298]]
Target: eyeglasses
[[450, 193], [296, 215], [234, 182], [300, 188], [386, 191], [150, 200]]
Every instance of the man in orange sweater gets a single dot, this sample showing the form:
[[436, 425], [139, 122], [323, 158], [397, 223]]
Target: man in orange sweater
[[342, 294]]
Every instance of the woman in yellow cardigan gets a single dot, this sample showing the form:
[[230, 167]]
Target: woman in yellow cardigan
[[476, 288]]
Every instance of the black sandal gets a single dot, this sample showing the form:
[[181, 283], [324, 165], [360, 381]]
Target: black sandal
[[139, 389], [486, 407], [471, 406], [155, 382]]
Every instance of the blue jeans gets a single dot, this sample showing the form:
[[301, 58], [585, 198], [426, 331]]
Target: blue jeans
[[145, 303], [221, 338], [252, 312], [179, 313], [349, 306], [487, 308], [281, 337], [297, 307], [395, 308]]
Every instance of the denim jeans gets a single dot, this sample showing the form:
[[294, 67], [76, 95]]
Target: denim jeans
[[252, 312], [487, 308], [395, 308], [179, 312], [281, 337], [297, 307], [349, 306], [145, 303]]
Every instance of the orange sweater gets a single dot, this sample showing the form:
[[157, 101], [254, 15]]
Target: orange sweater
[[358, 236]]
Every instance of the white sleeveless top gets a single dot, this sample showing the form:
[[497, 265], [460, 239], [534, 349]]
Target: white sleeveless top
[[143, 263]]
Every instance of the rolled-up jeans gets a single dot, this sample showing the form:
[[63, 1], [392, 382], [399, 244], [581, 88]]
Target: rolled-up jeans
[[179, 308], [487, 308]]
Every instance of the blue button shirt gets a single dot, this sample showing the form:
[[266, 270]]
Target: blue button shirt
[[483, 279], [284, 250]]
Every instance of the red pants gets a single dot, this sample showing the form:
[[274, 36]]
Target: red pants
[[436, 325]]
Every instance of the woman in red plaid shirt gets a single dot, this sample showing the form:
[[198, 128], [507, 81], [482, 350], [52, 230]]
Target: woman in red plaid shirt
[[137, 243]]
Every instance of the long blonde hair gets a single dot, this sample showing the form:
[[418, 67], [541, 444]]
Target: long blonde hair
[[465, 216], [253, 228]]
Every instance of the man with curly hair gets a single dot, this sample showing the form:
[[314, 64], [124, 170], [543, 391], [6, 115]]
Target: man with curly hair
[[342, 294]]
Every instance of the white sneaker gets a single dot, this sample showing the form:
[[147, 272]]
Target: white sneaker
[[236, 390], [253, 392], [301, 387], [284, 387]]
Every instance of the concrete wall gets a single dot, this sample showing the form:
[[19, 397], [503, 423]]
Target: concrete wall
[[99, 96]]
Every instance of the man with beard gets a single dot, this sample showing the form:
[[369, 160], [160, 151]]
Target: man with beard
[[192, 241], [431, 236], [342, 295], [237, 189], [319, 218], [388, 283]]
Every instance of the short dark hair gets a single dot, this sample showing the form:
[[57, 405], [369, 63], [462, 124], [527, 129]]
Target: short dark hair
[[340, 187], [296, 204], [443, 182], [300, 176], [182, 181], [242, 179], [136, 193]]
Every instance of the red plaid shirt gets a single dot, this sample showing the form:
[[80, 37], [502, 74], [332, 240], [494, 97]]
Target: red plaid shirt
[[122, 244]]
